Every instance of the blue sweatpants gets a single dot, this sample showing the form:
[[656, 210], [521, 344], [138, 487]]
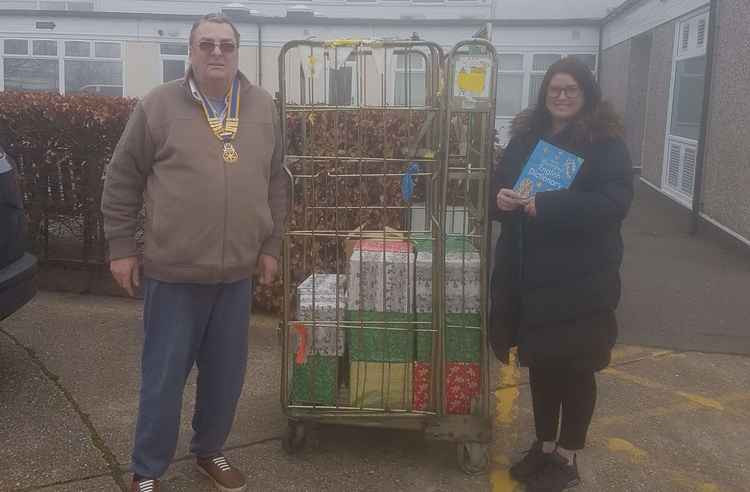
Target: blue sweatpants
[[188, 324]]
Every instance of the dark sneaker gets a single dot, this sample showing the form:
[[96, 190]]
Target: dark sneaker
[[225, 477], [556, 476], [531, 464], [144, 485]]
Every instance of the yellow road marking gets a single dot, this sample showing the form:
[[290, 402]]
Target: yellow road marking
[[700, 400], [635, 454], [671, 409], [622, 449], [646, 383], [690, 482], [708, 487], [506, 411]]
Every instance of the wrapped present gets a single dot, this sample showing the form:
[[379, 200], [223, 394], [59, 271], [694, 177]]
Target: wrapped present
[[314, 381], [424, 339], [462, 386], [320, 303], [462, 276], [380, 337], [422, 386], [380, 273], [380, 385], [463, 338]]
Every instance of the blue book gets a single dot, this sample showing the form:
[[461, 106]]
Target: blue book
[[549, 168]]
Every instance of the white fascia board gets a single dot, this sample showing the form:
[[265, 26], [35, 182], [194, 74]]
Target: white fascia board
[[644, 17]]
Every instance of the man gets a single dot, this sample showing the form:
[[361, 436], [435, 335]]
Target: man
[[205, 155]]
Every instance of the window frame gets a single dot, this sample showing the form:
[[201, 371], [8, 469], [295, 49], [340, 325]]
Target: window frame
[[407, 71], [172, 57], [92, 57], [29, 56], [684, 146], [62, 58], [522, 73]]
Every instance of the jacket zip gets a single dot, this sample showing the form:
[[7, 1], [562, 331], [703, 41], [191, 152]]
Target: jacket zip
[[521, 248], [226, 213]]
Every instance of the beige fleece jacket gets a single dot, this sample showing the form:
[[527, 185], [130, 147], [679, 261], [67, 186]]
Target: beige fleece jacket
[[206, 220]]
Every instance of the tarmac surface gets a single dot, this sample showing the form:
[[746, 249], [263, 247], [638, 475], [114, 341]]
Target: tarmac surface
[[682, 291], [667, 420]]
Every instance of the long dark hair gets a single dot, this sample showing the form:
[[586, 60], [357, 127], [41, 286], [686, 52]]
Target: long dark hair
[[583, 130]]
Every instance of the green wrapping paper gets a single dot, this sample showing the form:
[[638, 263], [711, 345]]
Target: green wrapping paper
[[463, 339], [379, 339], [315, 381]]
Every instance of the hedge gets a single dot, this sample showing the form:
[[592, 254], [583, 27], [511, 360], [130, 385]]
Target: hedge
[[63, 144]]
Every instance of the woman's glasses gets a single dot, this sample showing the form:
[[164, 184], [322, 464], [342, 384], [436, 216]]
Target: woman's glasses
[[571, 92], [225, 47]]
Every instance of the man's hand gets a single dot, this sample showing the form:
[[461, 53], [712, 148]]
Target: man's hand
[[125, 271], [267, 268], [508, 200]]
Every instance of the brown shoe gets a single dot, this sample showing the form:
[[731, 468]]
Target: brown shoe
[[145, 485], [226, 477]]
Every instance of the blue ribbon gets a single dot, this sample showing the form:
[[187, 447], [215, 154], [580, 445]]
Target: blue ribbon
[[407, 181]]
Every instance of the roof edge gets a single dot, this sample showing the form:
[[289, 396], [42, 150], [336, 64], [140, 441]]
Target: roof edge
[[311, 20], [621, 9]]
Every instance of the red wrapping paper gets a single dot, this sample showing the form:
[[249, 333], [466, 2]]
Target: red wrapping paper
[[463, 380]]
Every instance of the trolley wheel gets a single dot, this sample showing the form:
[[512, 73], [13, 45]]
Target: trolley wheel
[[295, 437], [473, 457]]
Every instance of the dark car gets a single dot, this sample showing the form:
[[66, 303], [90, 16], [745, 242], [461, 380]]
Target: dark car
[[17, 268]]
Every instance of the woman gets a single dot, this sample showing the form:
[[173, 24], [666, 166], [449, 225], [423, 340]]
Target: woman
[[556, 282]]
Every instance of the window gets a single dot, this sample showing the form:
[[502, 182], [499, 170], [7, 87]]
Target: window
[[16, 47], [539, 67], [686, 110], [410, 82], [86, 66], [176, 49], [173, 60], [340, 86], [107, 50], [98, 74], [172, 70], [78, 48], [80, 5], [29, 74], [509, 85], [45, 48], [23, 72], [687, 103], [94, 77], [63, 5]]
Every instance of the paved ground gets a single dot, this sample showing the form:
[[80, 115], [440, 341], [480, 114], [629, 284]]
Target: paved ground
[[68, 382], [682, 291], [666, 421]]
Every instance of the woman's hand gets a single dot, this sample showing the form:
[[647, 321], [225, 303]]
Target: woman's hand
[[530, 207], [508, 200]]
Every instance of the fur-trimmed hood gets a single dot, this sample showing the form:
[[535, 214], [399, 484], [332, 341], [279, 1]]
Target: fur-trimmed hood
[[601, 124]]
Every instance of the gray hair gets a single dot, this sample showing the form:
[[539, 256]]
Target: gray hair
[[217, 19]]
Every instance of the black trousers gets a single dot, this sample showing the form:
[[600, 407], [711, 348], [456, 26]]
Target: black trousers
[[569, 392]]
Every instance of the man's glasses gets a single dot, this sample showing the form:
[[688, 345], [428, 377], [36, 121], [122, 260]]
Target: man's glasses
[[571, 92], [226, 47]]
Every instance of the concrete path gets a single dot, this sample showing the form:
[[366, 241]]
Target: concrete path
[[667, 421]]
